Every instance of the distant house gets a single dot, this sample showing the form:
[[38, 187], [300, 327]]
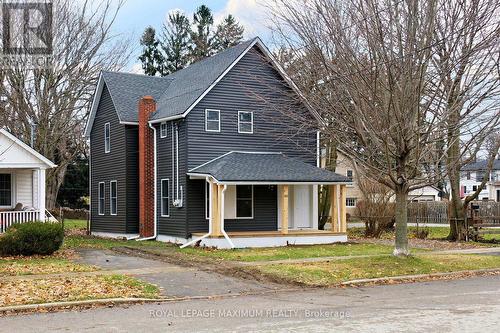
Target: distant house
[[472, 175], [22, 182], [345, 167], [195, 157]]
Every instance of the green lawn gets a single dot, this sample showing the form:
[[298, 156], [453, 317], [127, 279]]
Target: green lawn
[[336, 271], [292, 252], [75, 224]]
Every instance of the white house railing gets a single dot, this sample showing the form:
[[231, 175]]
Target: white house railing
[[12, 217]]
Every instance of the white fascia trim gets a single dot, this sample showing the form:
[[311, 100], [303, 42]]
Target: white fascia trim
[[30, 150], [183, 115], [95, 103]]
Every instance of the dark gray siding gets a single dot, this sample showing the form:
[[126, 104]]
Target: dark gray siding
[[175, 224], [132, 195], [274, 131], [107, 167]]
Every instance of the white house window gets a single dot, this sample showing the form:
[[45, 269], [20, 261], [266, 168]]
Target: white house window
[[349, 174], [113, 197], [164, 197], [163, 130], [5, 189], [244, 201], [245, 122], [207, 200], [107, 138], [212, 120], [468, 175], [100, 195], [350, 202], [465, 189]]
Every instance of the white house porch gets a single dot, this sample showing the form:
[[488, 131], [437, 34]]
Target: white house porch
[[22, 182]]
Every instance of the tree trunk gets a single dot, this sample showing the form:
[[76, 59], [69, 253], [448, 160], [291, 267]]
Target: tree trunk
[[54, 181], [401, 246], [458, 231]]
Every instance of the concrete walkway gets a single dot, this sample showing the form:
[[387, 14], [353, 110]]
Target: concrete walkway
[[173, 280]]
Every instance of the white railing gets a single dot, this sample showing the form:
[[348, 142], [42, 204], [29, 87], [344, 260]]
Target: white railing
[[9, 218]]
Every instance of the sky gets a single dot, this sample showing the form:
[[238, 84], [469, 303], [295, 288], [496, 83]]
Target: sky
[[135, 15]]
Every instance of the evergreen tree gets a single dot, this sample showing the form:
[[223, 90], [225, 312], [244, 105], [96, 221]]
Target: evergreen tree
[[176, 42], [202, 36], [229, 33], [151, 57]]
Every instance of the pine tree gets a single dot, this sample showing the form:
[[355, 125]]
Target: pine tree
[[202, 36], [229, 33], [176, 42], [151, 58]]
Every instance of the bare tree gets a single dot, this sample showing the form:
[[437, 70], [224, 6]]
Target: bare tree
[[369, 60], [57, 97], [467, 77]]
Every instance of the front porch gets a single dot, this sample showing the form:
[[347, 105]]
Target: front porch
[[295, 203], [22, 182]]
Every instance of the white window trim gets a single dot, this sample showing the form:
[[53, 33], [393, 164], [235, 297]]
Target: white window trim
[[163, 135], [110, 201], [99, 198], [161, 197], [12, 190], [206, 120], [245, 122], [236, 203], [107, 148]]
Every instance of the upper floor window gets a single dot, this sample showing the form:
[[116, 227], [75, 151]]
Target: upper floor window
[[113, 197], [245, 122], [165, 198], [163, 130], [107, 138], [5, 189], [212, 120], [480, 176], [468, 175], [100, 195], [349, 173], [244, 201]]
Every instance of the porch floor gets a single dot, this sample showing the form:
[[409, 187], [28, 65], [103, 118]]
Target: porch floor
[[274, 233]]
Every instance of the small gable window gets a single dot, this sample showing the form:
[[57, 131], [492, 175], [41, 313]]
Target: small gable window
[[107, 138], [245, 122], [212, 120], [163, 130]]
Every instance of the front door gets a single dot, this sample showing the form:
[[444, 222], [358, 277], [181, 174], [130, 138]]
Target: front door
[[301, 207]]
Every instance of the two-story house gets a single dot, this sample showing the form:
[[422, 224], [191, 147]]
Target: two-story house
[[472, 176], [205, 156]]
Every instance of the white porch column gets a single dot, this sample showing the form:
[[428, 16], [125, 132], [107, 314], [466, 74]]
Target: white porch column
[[41, 193]]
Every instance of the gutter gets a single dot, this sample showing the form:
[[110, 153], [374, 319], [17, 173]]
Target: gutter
[[222, 218], [155, 233]]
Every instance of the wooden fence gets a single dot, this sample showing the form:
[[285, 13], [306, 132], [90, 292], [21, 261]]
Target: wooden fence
[[486, 212], [428, 212]]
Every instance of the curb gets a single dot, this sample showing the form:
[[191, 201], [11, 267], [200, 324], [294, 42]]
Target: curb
[[447, 275]]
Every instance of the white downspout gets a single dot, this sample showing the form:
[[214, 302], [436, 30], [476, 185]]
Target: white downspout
[[194, 240], [155, 233], [222, 218]]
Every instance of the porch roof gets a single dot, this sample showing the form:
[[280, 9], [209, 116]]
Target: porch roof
[[256, 167]]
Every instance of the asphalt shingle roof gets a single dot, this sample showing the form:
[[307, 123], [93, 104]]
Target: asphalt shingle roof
[[174, 93], [481, 166], [272, 167]]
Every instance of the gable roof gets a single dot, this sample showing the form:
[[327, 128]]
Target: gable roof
[[27, 148], [177, 93], [265, 167], [481, 165]]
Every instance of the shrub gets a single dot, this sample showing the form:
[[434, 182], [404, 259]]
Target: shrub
[[32, 238]]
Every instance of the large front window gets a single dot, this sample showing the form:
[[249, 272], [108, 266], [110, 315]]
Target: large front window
[[244, 201], [5, 189]]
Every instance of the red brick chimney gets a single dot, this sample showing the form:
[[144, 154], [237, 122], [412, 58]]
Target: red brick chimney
[[147, 106]]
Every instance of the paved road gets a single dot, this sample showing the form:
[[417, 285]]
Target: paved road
[[470, 305]]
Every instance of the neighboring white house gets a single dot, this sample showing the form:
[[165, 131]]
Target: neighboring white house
[[472, 176], [22, 181]]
